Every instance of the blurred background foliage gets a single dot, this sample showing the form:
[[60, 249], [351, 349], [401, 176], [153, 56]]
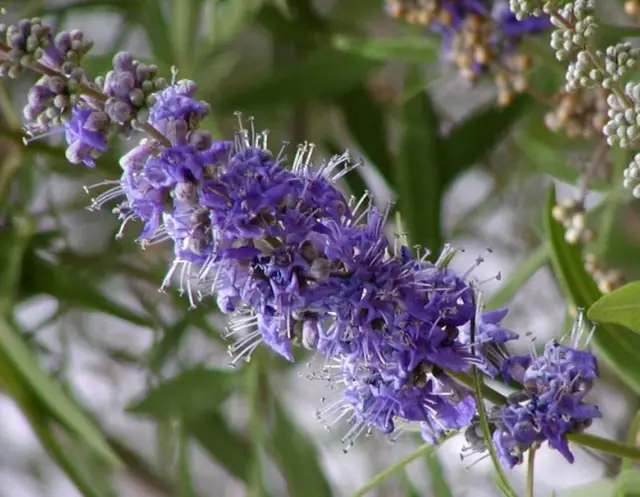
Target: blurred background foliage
[[111, 388]]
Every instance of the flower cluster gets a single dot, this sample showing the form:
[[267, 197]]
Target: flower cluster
[[551, 405], [290, 258], [480, 37], [607, 69]]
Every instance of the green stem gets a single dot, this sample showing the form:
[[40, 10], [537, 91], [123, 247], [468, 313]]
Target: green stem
[[632, 438], [530, 468], [486, 433], [487, 392], [605, 445], [423, 450], [253, 394]]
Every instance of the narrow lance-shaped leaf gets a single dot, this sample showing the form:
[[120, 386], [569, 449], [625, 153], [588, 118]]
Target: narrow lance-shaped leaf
[[618, 346], [188, 395], [51, 395], [421, 162], [478, 135], [229, 448], [518, 278], [622, 306], [296, 457], [66, 284], [438, 481], [42, 426], [367, 125], [324, 73], [409, 49]]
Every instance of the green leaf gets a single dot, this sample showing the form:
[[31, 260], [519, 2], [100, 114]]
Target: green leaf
[[478, 135], [188, 395], [438, 481], [632, 440], [367, 126], [501, 479], [622, 306], [600, 488], [185, 24], [296, 457], [616, 345], [66, 459], [323, 73], [420, 170], [67, 285], [230, 449], [548, 159], [229, 17], [525, 270], [409, 49], [51, 394], [628, 483], [610, 34], [185, 481], [421, 451], [620, 158], [605, 445], [149, 15]]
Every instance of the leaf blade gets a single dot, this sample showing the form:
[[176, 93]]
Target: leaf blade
[[419, 171], [324, 73], [187, 395], [52, 396], [615, 344]]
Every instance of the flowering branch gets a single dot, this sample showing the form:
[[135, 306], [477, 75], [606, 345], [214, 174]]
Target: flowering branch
[[84, 89]]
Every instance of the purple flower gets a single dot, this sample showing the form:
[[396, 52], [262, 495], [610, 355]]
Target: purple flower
[[84, 139], [176, 102], [370, 402], [552, 404]]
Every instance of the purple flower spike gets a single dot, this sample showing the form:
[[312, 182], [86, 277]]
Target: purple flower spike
[[552, 404], [85, 141]]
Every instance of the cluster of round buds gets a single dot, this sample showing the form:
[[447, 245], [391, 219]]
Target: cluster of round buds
[[479, 40], [524, 8], [130, 86], [422, 12], [580, 113], [607, 279], [624, 117], [513, 77], [632, 176], [575, 25], [29, 41], [571, 213], [474, 51], [617, 60]]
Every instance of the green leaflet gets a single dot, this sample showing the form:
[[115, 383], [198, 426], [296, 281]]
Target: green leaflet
[[421, 168], [616, 345], [622, 306]]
